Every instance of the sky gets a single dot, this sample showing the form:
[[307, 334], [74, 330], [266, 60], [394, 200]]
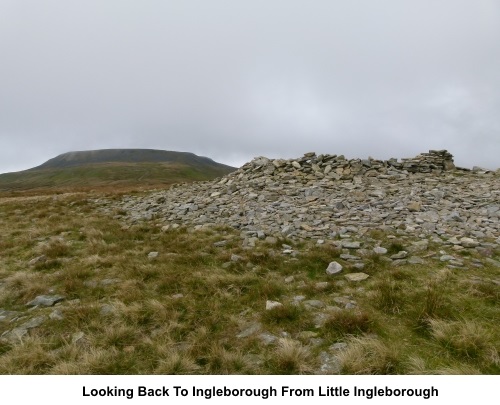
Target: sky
[[232, 80]]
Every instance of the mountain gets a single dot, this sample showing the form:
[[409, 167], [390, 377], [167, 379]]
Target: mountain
[[114, 168], [85, 158]]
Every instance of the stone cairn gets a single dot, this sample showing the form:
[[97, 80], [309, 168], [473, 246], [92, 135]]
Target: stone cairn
[[324, 197], [435, 161]]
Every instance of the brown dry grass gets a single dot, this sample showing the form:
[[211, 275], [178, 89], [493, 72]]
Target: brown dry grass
[[181, 312]]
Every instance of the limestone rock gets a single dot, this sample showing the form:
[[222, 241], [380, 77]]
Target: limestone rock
[[334, 268], [45, 300], [272, 304], [357, 276]]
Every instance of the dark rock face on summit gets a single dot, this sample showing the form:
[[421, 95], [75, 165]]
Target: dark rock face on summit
[[82, 158]]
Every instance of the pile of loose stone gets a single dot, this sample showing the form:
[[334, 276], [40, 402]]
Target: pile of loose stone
[[327, 197]]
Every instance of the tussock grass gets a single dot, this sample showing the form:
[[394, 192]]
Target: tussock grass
[[56, 248], [30, 357], [181, 312], [433, 301], [173, 363], [349, 322], [389, 295], [466, 339], [370, 356], [288, 316], [395, 247], [291, 357]]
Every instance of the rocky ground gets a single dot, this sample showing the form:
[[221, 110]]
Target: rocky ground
[[330, 199], [425, 209]]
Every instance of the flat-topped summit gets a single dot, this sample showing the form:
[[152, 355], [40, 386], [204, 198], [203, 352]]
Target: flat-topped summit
[[82, 158], [114, 168]]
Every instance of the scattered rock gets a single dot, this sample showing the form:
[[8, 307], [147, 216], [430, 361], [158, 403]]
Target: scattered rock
[[273, 304], [249, 330], [107, 309], [16, 335], [400, 255], [45, 300], [236, 258], [315, 304], [267, 338], [56, 315], [338, 346], [468, 242], [78, 338], [330, 364], [414, 206], [416, 260], [334, 268], [350, 245]]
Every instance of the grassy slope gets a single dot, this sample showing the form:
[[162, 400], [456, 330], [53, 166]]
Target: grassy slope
[[182, 312], [115, 175]]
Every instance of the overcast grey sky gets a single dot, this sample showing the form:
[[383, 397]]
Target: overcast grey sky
[[234, 79]]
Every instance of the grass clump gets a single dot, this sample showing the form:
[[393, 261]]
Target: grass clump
[[56, 248], [366, 355], [349, 322], [291, 357], [395, 247], [432, 302], [283, 315], [466, 339]]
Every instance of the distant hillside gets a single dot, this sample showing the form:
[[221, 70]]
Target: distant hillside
[[83, 158], [115, 168]]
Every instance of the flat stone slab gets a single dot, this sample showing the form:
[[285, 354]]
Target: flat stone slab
[[314, 304], [351, 245], [267, 338], [250, 330], [45, 300], [33, 323], [468, 242], [400, 255], [356, 276], [273, 304], [16, 335], [415, 260]]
